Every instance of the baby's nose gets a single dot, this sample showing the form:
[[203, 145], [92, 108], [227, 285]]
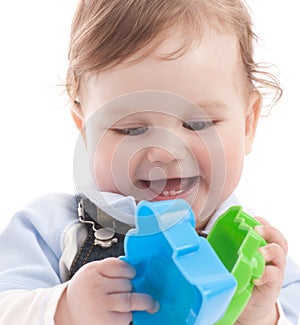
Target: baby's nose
[[165, 155], [166, 145]]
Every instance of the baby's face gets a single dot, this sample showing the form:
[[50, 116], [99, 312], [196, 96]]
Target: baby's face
[[161, 130]]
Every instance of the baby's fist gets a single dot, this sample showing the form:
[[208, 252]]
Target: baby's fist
[[261, 308], [101, 293]]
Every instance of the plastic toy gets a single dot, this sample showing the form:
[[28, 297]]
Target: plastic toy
[[176, 267], [235, 241], [196, 280]]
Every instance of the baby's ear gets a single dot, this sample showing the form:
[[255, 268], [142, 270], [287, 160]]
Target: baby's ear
[[252, 117], [77, 118]]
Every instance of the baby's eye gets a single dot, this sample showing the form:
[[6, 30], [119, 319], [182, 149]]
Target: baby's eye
[[132, 131], [197, 125]]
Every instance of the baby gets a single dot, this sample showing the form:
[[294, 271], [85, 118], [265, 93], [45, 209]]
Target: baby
[[166, 95]]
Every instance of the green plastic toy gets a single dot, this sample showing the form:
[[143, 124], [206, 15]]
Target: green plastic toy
[[235, 241]]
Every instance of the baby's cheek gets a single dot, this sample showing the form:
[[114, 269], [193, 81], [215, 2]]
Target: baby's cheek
[[234, 168], [102, 169], [114, 169]]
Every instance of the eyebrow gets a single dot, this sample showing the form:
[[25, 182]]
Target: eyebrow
[[212, 105]]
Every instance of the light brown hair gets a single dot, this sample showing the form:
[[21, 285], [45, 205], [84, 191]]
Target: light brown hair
[[107, 32]]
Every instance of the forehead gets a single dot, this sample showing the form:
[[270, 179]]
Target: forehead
[[208, 71]]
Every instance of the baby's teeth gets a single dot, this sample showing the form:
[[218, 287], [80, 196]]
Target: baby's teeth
[[169, 193]]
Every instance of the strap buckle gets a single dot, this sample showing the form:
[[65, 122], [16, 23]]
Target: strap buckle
[[104, 237]]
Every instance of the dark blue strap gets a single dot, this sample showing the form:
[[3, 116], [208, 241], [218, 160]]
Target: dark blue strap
[[90, 252]]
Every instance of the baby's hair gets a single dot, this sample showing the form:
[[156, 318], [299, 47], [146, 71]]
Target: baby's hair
[[105, 33]]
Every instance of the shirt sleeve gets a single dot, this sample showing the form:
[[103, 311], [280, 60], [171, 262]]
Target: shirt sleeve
[[282, 318], [30, 307], [32, 243], [30, 248], [289, 296]]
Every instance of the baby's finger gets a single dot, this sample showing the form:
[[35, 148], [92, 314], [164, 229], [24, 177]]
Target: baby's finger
[[271, 277], [117, 285], [274, 254], [117, 318], [127, 302], [115, 268], [272, 235], [262, 221]]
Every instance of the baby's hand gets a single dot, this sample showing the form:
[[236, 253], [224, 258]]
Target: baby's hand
[[101, 293], [261, 308]]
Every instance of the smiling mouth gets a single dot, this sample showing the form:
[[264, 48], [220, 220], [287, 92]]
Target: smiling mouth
[[169, 188]]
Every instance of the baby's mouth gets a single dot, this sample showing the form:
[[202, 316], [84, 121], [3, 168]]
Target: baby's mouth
[[169, 188]]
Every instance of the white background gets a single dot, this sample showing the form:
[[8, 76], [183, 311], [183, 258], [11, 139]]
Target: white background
[[37, 135]]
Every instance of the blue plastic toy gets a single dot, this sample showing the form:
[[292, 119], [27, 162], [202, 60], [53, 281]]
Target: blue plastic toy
[[176, 267]]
